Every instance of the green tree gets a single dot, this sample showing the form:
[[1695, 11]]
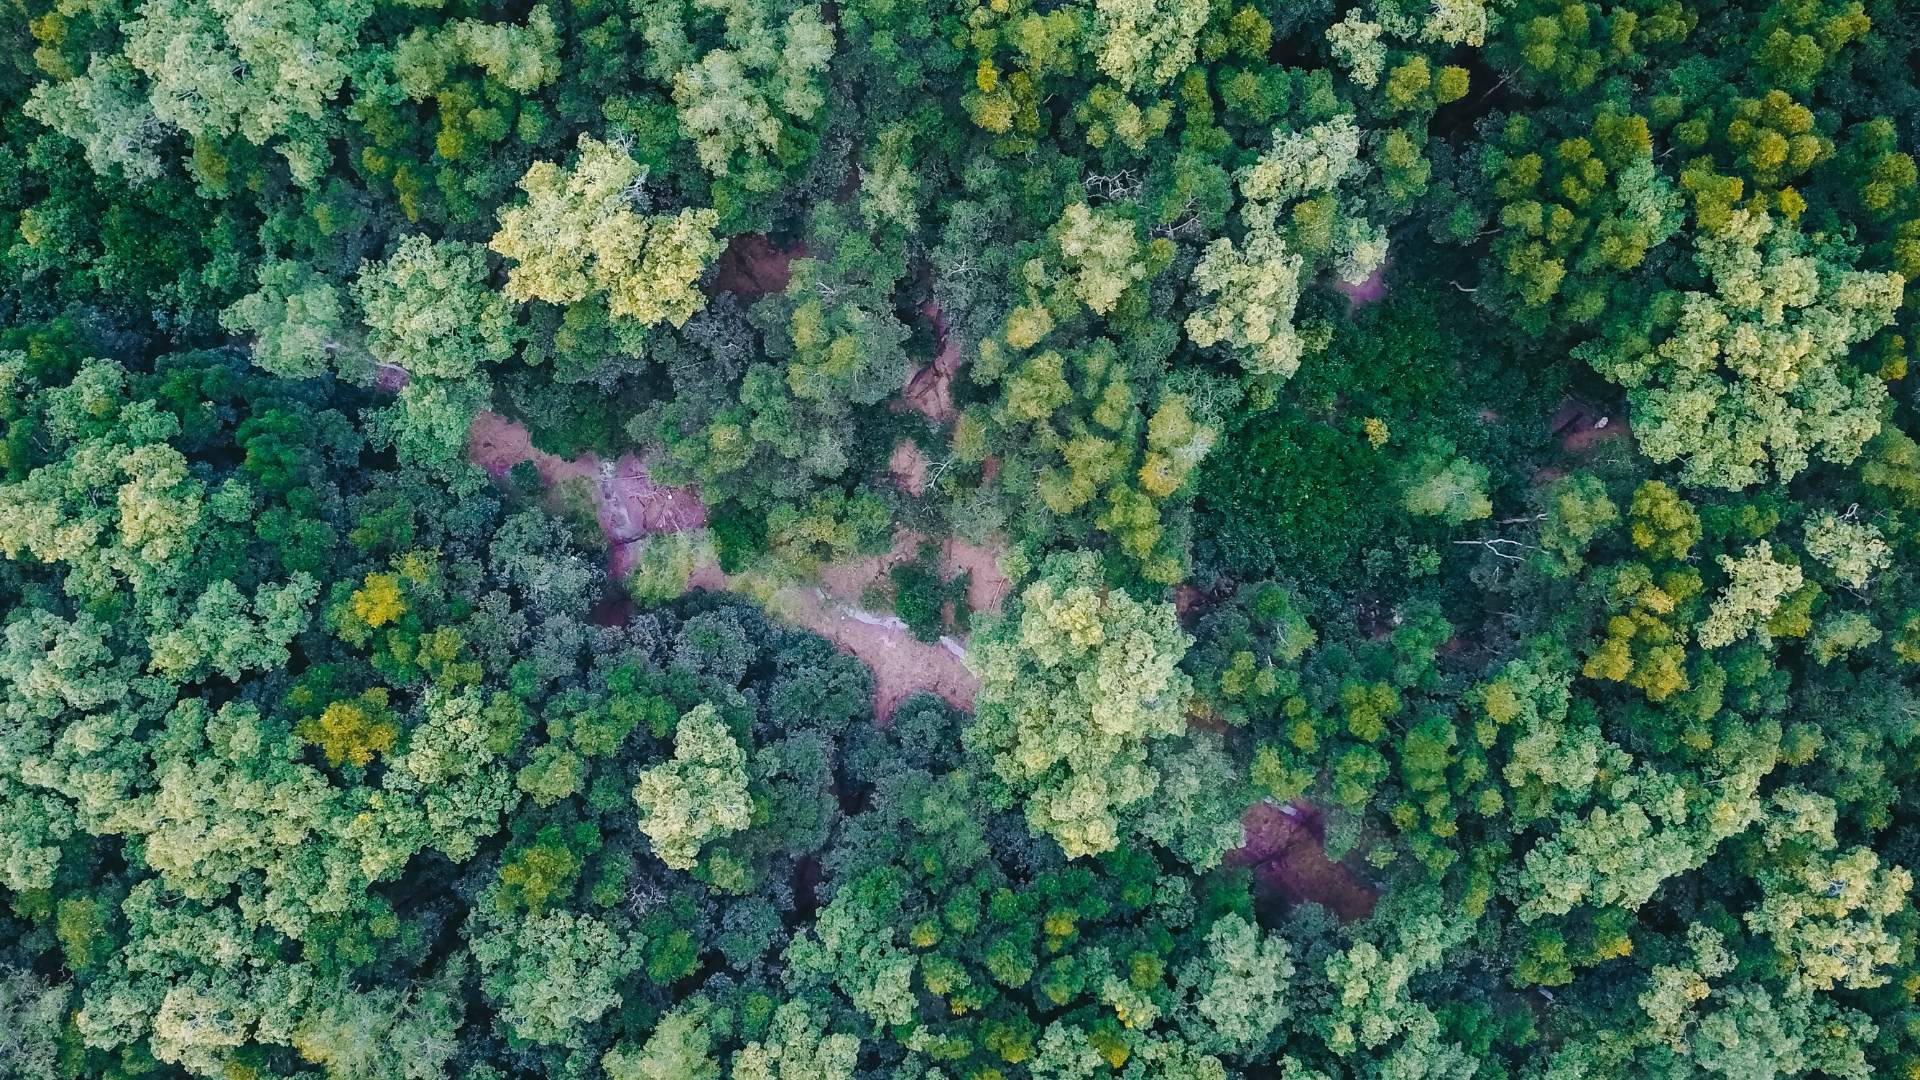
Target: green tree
[[700, 795], [1077, 682], [1747, 381], [428, 309], [299, 322], [579, 235]]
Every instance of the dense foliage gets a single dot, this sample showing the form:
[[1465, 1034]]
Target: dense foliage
[[1452, 465]]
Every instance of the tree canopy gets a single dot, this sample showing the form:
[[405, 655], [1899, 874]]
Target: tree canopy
[[959, 540]]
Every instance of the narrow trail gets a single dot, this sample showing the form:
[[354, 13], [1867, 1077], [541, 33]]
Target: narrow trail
[[902, 665], [1284, 846], [631, 507]]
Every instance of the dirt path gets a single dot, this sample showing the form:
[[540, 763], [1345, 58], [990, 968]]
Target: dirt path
[[631, 507], [930, 391], [987, 586], [751, 267], [1284, 845], [901, 664]]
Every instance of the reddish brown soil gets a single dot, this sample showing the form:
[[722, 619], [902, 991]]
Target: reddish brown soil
[[1285, 850], [391, 377], [930, 391], [908, 465], [987, 587], [1191, 601], [901, 664], [751, 267], [629, 505], [1370, 291]]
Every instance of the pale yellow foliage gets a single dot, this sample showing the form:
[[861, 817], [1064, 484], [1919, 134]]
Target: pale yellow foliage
[[578, 234], [1756, 584], [1145, 44], [700, 795], [1102, 251], [1074, 689], [1828, 918], [1256, 287]]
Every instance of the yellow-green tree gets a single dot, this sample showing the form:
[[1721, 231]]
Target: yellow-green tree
[[580, 236], [698, 796], [1078, 682]]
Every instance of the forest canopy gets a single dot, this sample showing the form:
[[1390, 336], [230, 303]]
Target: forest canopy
[[959, 539]]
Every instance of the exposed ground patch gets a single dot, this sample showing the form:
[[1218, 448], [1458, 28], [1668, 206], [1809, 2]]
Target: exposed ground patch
[[1371, 291], [629, 505], [930, 391], [752, 267], [901, 664], [1581, 426], [1284, 845], [1286, 851]]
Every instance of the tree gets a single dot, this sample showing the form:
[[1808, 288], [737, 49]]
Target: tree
[[1306, 174], [1756, 585], [845, 350], [1240, 988], [1661, 523], [1195, 813], [107, 114], [1824, 909], [429, 310], [1578, 512], [299, 323], [852, 947], [1747, 381], [797, 1047], [1442, 484], [232, 67], [744, 103], [697, 797], [32, 1012], [1142, 44], [428, 422], [578, 235], [551, 975], [1853, 551], [680, 1048], [1077, 682], [1577, 215], [1258, 286], [1099, 251], [384, 1034]]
